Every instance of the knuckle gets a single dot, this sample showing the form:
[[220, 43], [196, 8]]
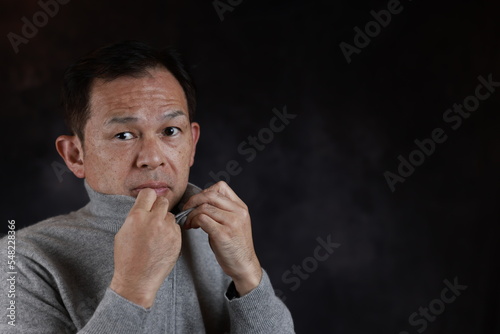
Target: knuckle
[[205, 207], [221, 184], [203, 217], [243, 213], [162, 201], [156, 226], [219, 195]]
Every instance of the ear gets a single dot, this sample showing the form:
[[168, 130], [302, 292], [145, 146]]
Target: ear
[[195, 133], [71, 150]]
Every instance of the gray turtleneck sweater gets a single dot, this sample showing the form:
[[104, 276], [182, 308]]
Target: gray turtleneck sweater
[[64, 265]]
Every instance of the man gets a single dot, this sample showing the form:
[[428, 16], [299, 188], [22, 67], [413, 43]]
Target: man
[[122, 264]]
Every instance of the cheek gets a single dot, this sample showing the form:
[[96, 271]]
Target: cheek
[[106, 162], [179, 159], [184, 154]]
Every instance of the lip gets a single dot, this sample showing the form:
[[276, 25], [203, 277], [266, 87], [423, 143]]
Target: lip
[[160, 188]]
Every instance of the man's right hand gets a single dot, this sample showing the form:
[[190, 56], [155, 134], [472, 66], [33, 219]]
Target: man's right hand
[[146, 249]]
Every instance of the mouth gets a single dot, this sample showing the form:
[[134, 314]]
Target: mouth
[[159, 187]]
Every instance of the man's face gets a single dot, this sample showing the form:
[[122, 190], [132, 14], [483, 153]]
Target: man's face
[[139, 136]]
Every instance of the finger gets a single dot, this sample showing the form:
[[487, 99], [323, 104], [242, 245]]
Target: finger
[[223, 188], [220, 195], [213, 198], [160, 207], [169, 217], [145, 199], [206, 223], [216, 214]]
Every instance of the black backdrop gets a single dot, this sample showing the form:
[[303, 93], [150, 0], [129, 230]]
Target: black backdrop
[[322, 177]]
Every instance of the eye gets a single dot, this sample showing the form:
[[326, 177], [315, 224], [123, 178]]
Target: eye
[[124, 136], [171, 131]]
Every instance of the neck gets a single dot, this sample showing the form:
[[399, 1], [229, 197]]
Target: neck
[[113, 209]]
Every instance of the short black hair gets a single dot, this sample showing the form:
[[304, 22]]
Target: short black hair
[[126, 58]]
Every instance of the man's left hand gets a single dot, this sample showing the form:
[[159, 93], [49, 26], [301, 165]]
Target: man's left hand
[[226, 220]]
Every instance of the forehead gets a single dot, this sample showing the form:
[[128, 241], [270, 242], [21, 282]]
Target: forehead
[[150, 93]]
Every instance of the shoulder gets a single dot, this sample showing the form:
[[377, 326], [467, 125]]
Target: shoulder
[[57, 231]]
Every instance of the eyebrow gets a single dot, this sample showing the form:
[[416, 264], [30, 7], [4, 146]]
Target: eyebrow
[[170, 115], [130, 119]]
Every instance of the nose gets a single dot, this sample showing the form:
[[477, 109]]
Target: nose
[[151, 155]]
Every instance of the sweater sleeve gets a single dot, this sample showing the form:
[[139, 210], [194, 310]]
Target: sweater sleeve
[[36, 306], [116, 314], [259, 311]]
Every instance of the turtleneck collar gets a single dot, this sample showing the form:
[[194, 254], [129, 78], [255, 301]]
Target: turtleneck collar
[[113, 209]]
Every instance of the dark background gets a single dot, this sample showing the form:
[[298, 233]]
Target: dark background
[[322, 175]]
